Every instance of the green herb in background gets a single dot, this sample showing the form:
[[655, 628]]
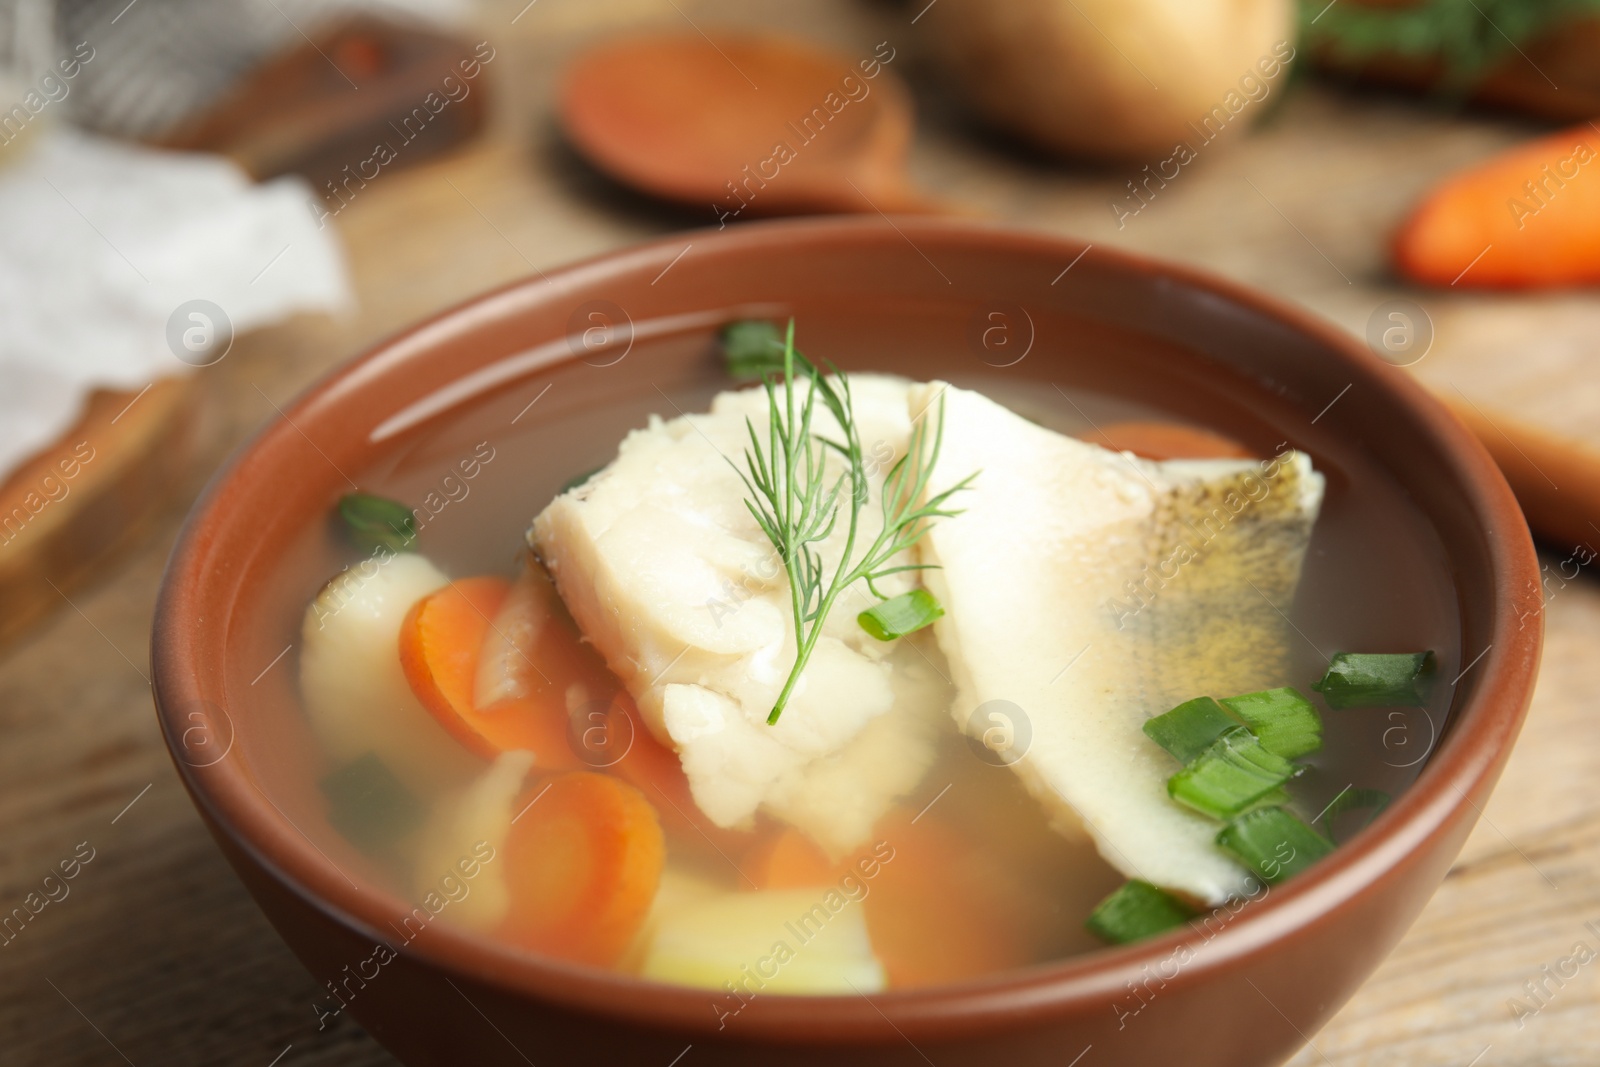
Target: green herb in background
[[796, 509], [1284, 720], [1466, 37], [375, 522], [1231, 776], [1273, 843], [1376, 679], [369, 805], [1236, 754], [752, 349], [1190, 728], [1135, 911]]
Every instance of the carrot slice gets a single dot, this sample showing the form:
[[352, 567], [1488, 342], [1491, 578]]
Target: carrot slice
[[1166, 440], [644, 761], [439, 645], [657, 772], [583, 863], [1529, 216], [790, 860], [936, 911]]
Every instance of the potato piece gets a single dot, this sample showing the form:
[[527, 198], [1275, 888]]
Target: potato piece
[[354, 691], [770, 941]]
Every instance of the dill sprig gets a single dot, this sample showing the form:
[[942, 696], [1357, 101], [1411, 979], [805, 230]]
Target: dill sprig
[[792, 500], [1466, 37]]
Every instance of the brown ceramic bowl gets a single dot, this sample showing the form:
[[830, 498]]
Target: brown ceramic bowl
[[914, 296]]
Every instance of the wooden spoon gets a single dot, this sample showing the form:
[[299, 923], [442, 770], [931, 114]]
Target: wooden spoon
[[745, 125]]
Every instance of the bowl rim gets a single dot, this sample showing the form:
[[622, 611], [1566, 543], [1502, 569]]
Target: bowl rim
[[1462, 766]]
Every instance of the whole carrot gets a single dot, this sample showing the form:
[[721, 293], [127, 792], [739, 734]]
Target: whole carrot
[[1527, 217]]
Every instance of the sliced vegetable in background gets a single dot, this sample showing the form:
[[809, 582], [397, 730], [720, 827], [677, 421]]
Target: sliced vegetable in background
[[658, 773], [375, 522], [715, 941], [1376, 679], [369, 805], [440, 643], [1282, 719], [901, 615], [986, 922], [583, 862], [788, 859], [1135, 911], [1529, 216], [1273, 843], [1190, 728], [1230, 776], [752, 348]]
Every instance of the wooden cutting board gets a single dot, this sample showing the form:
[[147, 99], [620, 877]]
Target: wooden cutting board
[[69, 513], [79, 504]]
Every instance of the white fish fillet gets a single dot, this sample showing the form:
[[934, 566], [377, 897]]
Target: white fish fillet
[[669, 576], [1093, 590]]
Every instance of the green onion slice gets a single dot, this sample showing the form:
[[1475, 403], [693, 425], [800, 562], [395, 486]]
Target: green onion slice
[[1283, 720], [752, 348], [369, 805], [1372, 801], [1190, 728], [377, 522], [1376, 679], [1137, 910], [1231, 776], [1273, 843], [901, 615]]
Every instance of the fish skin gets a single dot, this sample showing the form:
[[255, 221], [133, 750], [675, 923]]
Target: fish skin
[[1049, 604]]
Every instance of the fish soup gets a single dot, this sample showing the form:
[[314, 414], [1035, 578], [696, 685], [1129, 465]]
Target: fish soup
[[866, 682]]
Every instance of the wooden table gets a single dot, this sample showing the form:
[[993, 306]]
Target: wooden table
[[158, 956]]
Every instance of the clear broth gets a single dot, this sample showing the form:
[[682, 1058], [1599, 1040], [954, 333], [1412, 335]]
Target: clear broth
[[1373, 579]]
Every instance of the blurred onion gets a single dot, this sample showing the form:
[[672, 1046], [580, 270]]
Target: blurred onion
[[1111, 79]]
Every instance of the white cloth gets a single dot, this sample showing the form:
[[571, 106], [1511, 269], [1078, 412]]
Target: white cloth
[[101, 241]]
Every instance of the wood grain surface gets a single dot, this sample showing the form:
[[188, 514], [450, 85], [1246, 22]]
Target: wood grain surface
[[156, 955]]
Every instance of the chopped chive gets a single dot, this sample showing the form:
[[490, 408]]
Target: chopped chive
[[369, 805], [1372, 801], [901, 615], [752, 348], [1230, 776], [1283, 720], [576, 480], [375, 522], [1190, 728], [1278, 798], [1135, 911], [1376, 679], [1273, 843]]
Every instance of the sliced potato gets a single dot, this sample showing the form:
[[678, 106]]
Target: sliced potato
[[769, 941]]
